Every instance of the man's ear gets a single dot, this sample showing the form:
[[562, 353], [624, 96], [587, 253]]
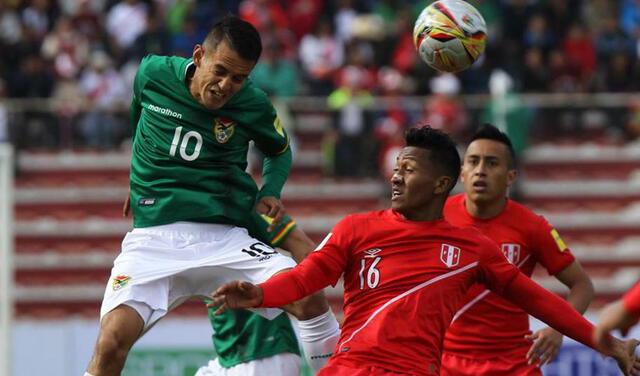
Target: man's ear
[[442, 185], [198, 54], [511, 177]]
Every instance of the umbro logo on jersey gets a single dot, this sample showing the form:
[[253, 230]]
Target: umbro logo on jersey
[[450, 255], [223, 129], [511, 252], [372, 252]]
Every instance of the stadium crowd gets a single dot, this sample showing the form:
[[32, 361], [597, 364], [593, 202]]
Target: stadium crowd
[[82, 54]]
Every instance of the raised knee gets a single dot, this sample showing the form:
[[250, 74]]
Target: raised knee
[[112, 347]]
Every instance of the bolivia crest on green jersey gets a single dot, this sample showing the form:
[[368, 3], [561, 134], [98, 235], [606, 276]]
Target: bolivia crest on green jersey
[[223, 129]]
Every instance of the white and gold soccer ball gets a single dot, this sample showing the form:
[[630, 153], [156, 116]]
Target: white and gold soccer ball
[[450, 35]]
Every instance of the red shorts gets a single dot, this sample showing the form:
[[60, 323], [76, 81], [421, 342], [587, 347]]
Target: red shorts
[[454, 365], [342, 370]]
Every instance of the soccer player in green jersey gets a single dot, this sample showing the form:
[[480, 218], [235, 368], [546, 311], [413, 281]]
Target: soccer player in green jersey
[[191, 197], [247, 344]]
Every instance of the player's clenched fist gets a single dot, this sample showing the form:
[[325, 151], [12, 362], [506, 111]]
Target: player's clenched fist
[[272, 208], [236, 294]]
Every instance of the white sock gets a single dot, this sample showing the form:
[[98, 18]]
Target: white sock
[[319, 337]]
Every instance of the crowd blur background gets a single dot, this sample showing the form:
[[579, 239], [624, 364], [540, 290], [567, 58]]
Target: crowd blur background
[[80, 56], [562, 77]]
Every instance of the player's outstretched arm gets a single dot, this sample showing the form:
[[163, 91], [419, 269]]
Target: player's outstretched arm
[[557, 313], [613, 316], [547, 341], [317, 271], [236, 294], [621, 314], [624, 352]]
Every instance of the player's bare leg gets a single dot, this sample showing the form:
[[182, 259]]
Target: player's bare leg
[[119, 330]]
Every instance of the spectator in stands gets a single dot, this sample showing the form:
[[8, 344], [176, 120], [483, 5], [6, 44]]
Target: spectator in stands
[[596, 12], [321, 53], [66, 48], [580, 54], [10, 26], [206, 13], [182, 43], [303, 15], [275, 74], [124, 23], [86, 21], [34, 80], [11, 39], [563, 78], [105, 90], [612, 40], [37, 19], [390, 123], [515, 19], [618, 75], [535, 75], [343, 19], [560, 14], [350, 104], [630, 18], [155, 40], [538, 35], [177, 13], [443, 109], [404, 54], [263, 13]]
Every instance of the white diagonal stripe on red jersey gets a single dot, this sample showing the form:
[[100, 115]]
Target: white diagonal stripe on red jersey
[[480, 296], [412, 290]]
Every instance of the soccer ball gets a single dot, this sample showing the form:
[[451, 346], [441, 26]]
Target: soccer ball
[[450, 35]]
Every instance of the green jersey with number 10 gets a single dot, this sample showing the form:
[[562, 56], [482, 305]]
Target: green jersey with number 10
[[189, 162]]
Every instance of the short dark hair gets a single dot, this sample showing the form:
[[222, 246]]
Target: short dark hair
[[242, 37], [443, 151], [490, 132]]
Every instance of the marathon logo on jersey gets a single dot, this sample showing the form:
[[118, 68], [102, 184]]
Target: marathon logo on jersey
[[120, 282], [260, 251], [164, 111], [450, 255], [511, 252], [223, 129]]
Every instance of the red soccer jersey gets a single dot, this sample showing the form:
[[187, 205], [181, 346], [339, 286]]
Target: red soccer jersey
[[486, 323], [632, 300], [403, 283]]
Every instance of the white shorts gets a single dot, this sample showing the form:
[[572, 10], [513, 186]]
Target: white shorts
[[285, 364], [161, 267]]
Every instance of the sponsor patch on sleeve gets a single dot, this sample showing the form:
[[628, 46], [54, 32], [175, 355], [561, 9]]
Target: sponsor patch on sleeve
[[558, 239], [278, 126]]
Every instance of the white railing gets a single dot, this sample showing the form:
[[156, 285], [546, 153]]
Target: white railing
[[6, 258]]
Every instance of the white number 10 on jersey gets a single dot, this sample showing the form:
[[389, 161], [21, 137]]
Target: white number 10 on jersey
[[183, 145]]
